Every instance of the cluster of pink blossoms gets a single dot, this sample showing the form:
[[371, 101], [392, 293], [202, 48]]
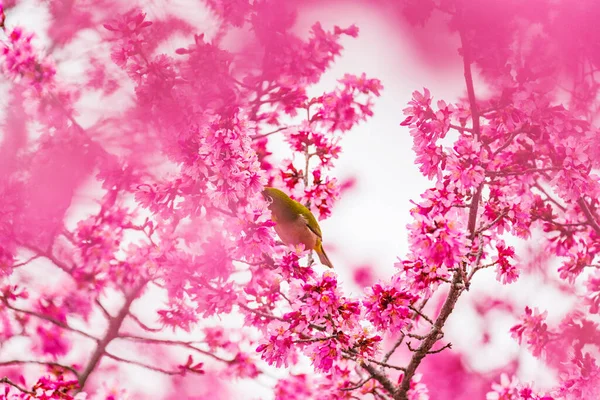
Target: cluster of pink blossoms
[[177, 209]]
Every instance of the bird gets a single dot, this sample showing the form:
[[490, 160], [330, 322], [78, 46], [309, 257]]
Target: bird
[[294, 223]]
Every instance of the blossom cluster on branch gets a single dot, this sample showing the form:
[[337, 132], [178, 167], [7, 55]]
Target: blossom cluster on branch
[[102, 213]]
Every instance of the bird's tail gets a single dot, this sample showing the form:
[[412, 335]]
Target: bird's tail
[[322, 255]]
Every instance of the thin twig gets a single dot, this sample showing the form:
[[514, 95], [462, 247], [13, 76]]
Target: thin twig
[[461, 128], [380, 377], [588, 214], [140, 364], [425, 317], [50, 319], [508, 142], [357, 386], [313, 340], [141, 324], [7, 381], [490, 224], [263, 135], [521, 172], [477, 258], [446, 346], [46, 363], [354, 353], [187, 345], [112, 332], [103, 309], [389, 354], [260, 313], [27, 261], [548, 197]]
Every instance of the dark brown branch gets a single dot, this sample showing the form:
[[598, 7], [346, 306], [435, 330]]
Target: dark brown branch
[[469, 82], [52, 320], [591, 218], [353, 353], [491, 224], [111, 333], [414, 336], [357, 386], [432, 337], [45, 363], [419, 313], [313, 340], [477, 258], [389, 354], [473, 211], [7, 381], [446, 346], [380, 377]]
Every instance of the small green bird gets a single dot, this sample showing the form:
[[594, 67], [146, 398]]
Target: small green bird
[[294, 223]]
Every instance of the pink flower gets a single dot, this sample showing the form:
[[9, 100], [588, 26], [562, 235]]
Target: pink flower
[[512, 389], [341, 109], [22, 63], [593, 293], [321, 298], [427, 127], [506, 271], [290, 266], [533, 330], [322, 194], [580, 381], [295, 387], [324, 354], [277, 350], [178, 315], [52, 341], [438, 239], [388, 307], [466, 164], [243, 366]]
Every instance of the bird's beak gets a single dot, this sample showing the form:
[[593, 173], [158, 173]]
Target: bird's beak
[[267, 198]]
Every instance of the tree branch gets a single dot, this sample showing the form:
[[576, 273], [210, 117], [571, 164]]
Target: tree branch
[[7, 381], [379, 377], [140, 364], [588, 214], [141, 324], [431, 339], [187, 345], [111, 333], [46, 363], [50, 319]]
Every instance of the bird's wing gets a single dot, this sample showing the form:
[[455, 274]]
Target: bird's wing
[[316, 230]]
